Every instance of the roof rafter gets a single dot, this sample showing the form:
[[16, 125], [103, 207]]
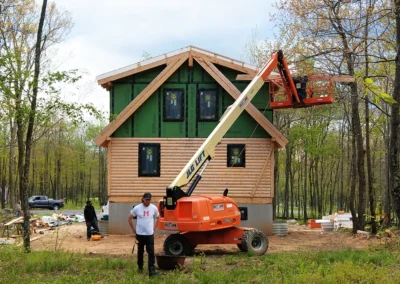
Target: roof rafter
[[235, 65], [218, 76], [172, 66]]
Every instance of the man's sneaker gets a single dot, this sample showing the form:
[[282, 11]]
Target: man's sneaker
[[88, 239], [152, 272]]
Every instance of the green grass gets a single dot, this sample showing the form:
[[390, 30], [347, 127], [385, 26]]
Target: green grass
[[376, 265], [73, 206]]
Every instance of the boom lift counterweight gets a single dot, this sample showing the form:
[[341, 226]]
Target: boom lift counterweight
[[211, 219]]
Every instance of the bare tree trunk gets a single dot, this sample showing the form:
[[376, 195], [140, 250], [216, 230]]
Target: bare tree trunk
[[276, 178], [394, 125], [367, 132], [353, 184], [287, 182], [305, 215], [358, 147], [24, 167], [12, 170], [3, 182], [291, 174]]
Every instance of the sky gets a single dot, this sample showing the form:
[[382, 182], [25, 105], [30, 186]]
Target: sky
[[111, 34]]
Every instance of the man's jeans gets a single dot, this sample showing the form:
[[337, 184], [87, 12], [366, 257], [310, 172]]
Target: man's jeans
[[147, 241]]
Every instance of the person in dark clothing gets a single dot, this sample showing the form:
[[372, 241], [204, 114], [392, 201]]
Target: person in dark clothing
[[90, 219]]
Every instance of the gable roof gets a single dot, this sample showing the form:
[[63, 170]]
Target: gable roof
[[141, 66], [173, 61]]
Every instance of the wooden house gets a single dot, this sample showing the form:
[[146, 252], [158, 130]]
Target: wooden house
[[166, 107]]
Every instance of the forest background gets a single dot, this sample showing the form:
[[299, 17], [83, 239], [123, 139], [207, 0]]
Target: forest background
[[339, 157]]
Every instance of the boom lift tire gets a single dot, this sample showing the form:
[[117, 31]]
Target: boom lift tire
[[254, 241], [176, 245]]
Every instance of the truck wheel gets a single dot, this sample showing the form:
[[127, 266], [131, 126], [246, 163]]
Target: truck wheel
[[56, 207], [240, 247], [254, 241], [176, 245]]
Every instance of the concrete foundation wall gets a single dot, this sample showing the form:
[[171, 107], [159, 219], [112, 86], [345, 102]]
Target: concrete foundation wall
[[259, 217]]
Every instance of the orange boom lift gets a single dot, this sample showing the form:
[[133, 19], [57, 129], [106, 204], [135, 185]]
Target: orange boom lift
[[212, 219]]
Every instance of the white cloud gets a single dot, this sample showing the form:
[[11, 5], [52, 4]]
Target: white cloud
[[112, 34]]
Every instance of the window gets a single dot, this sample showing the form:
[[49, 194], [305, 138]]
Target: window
[[243, 213], [207, 102], [236, 155], [173, 105], [149, 159]]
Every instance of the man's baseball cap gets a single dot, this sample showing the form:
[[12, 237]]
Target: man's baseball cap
[[147, 195]]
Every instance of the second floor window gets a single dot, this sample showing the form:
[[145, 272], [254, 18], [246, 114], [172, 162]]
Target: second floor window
[[173, 105], [208, 108]]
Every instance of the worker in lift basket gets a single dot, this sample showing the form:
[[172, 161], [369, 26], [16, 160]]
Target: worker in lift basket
[[147, 220]]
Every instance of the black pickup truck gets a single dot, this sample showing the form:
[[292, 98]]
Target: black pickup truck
[[41, 201]]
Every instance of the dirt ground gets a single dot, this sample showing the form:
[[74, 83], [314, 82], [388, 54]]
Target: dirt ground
[[72, 238]]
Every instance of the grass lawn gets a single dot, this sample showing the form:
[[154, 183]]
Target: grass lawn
[[375, 265]]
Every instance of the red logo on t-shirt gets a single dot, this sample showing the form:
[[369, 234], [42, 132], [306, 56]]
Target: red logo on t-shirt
[[146, 213]]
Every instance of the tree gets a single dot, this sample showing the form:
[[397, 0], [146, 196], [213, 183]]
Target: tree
[[395, 123], [332, 34], [23, 166]]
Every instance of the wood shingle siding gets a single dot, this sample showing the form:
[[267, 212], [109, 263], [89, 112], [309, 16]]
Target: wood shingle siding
[[252, 184]]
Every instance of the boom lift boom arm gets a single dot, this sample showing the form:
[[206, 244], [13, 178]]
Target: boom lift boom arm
[[207, 150]]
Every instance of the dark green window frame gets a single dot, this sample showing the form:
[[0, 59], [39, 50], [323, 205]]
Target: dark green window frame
[[173, 105], [207, 102], [149, 159], [236, 155]]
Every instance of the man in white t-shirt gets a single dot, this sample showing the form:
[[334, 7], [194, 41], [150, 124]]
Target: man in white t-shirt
[[147, 220]]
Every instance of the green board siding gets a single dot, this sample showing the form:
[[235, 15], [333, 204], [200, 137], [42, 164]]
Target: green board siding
[[245, 126], [148, 75], [191, 114], [122, 97], [198, 72], [146, 122], [148, 119]]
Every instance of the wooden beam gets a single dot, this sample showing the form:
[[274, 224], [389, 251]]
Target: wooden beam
[[139, 69], [101, 139], [109, 162], [267, 160], [244, 77], [15, 221], [338, 78], [107, 85], [190, 61], [225, 63], [251, 109]]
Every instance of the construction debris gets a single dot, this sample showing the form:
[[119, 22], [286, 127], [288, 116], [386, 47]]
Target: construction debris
[[337, 221]]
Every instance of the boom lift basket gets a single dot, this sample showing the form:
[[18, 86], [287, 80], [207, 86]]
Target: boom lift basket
[[312, 90]]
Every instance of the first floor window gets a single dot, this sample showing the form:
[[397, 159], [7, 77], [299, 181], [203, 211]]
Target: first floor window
[[236, 155], [149, 159]]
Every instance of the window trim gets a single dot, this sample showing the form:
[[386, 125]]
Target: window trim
[[158, 160], [182, 109], [216, 104], [243, 156]]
